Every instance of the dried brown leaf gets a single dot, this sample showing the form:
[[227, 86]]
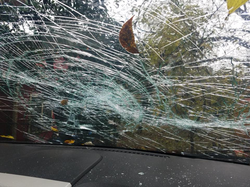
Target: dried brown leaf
[[126, 37]]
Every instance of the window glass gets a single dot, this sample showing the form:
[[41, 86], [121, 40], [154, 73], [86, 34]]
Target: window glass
[[168, 76]]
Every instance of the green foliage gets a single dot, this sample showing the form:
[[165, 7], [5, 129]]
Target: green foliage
[[177, 41], [172, 139], [174, 37]]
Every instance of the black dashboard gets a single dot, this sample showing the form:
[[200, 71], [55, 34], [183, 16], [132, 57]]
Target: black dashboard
[[103, 167]]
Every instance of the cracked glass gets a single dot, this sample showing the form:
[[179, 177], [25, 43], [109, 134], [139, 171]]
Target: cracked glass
[[68, 75]]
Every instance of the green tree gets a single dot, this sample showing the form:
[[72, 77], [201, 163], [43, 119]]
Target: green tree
[[36, 31], [174, 37], [178, 47]]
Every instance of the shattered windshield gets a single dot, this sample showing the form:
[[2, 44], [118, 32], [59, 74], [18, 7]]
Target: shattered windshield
[[167, 76]]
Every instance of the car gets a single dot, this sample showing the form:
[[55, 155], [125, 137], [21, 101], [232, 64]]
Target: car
[[124, 93]]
